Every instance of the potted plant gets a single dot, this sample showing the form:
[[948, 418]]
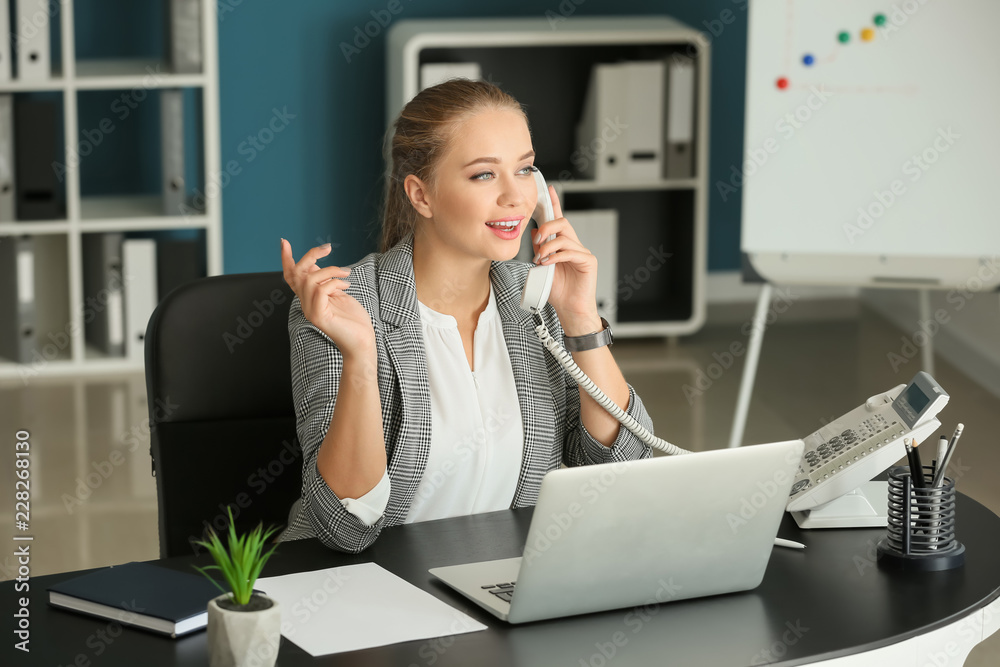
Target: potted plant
[[244, 626]]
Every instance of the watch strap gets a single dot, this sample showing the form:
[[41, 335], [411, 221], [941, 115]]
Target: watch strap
[[591, 340]]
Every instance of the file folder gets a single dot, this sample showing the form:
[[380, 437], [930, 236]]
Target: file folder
[[104, 309], [597, 230], [139, 272], [680, 117], [172, 150], [6, 43], [7, 209], [34, 154], [184, 36], [17, 298], [34, 55], [620, 133]]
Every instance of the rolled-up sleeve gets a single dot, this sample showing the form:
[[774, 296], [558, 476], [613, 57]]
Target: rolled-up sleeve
[[317, 367]]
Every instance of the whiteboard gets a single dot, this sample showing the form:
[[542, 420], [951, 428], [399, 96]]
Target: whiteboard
[[878, 163]]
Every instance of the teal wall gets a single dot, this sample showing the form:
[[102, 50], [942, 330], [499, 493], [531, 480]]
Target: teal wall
[[317, 180]]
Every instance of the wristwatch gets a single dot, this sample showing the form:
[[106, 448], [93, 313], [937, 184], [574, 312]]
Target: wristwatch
[[591, 340]]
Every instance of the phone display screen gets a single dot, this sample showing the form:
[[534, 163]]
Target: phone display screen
[[911, 403]]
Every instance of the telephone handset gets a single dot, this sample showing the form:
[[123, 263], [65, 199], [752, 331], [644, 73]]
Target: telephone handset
[[539, 282], [535, 295]]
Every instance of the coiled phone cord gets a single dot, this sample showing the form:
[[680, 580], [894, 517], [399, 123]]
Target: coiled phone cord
[[565, 359]]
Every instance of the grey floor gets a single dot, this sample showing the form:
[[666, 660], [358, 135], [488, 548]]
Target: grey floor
[[94, 502]]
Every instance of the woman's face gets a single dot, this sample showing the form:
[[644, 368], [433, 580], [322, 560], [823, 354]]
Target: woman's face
[[483, 177]]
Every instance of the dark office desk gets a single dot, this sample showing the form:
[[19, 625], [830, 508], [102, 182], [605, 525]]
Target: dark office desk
[[827, 601]]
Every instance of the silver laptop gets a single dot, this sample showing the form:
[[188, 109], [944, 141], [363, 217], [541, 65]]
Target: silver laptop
[[617, 535]]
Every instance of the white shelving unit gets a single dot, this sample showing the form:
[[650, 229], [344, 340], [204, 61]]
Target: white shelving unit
[[545, 64], [126, 213]]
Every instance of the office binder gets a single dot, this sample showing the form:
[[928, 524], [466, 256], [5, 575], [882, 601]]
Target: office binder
[[184, 36], [34, 153], [6, 156], [597, 230], [139, 272], [644, 135], [172, 150], [104, 309], [680, 117], [34, 56], [6, 43], [620, 132], [432, 74], [53, 330], [17, 298], [599, 157]]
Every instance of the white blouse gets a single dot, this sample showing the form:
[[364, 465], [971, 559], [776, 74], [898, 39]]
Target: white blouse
[[477, 439]]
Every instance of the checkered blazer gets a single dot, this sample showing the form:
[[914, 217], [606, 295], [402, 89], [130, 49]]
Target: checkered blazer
[[548, 397]]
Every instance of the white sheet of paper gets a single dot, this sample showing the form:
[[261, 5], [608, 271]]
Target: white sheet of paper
[[359, 606]]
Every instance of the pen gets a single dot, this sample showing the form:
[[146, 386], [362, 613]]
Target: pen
[[918, 472], [941, 451], [780, 542], [911, 459], [943, 466]]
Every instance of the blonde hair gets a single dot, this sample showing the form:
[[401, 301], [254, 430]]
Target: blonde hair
[[419, 138]]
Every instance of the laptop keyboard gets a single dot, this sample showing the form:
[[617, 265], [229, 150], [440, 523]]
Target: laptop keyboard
[[503, 591]]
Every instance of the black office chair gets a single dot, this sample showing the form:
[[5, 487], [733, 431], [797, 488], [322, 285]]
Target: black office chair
[[221, 417]]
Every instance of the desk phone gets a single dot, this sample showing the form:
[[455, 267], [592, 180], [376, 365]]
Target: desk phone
[[846, 453]]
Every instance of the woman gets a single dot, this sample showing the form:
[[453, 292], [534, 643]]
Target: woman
[[420, 387]]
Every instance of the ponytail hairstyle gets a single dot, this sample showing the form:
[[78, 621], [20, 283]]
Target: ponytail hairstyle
[[419, 138]]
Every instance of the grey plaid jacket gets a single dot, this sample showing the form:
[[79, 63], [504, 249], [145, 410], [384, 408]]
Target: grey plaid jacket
[[548, 397]]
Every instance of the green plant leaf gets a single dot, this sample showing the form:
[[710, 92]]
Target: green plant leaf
[[241, 560]]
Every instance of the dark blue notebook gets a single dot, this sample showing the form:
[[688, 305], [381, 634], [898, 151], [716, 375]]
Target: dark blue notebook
[[140, 594]]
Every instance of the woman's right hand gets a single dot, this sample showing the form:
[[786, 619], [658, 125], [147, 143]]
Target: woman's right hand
[[324, 301]]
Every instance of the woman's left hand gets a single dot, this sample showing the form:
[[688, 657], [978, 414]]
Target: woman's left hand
[[574, 284]]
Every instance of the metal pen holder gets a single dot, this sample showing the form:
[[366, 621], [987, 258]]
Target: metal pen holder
[[921, 530]]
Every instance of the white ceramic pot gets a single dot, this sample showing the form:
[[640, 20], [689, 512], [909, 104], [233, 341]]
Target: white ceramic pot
[[243, 638]]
